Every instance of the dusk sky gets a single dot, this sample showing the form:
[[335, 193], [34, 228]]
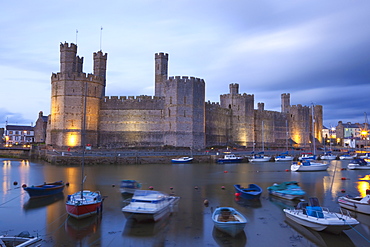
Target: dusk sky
[[318, 51]]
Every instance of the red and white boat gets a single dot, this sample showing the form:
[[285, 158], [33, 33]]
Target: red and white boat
[[81, 205]]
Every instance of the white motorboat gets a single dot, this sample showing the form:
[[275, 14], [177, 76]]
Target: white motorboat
[[365, 156], [328, 156], [229, 220], [230, 158], [308, 166], [358, 164], [149, 205], [347, 156], [319, 218], [357, 204], [284, 157], [21, 240], [182, 160], [260, 157], [307, 156]]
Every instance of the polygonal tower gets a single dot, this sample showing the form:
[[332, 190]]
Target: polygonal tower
[[75, 96], [161, 73]]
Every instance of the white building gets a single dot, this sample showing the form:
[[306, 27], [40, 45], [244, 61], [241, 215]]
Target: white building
[[18, 135]]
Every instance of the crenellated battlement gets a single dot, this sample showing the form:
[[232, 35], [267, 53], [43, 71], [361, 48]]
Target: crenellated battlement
[[76, 76], [99, 54], [142, 102], [67, 46], [161, 55], [185, 79], [212, 103]]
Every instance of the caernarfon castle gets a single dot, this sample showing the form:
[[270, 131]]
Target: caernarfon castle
[[176, 116]]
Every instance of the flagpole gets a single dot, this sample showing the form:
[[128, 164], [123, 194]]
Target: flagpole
[[101, 36]]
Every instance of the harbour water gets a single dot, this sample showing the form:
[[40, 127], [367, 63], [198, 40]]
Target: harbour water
[[190, 224]]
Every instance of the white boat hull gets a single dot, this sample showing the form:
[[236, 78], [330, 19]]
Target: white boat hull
[[358, 167], [361, 206], [328, 157], [309, 168], [149, 208], [262, 159], [331, 222], [286, 158]]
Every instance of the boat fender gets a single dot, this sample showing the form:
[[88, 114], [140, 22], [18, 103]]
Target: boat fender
[[237, 194], [299, 163], [24, 185]]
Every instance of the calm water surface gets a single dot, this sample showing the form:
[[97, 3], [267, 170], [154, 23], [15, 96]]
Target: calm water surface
[[190, 224]]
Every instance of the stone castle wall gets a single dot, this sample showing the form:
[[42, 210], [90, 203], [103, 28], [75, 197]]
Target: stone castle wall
[[176, 116]]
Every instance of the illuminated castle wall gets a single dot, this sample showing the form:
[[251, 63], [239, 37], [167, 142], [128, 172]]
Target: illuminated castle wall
[[177, 115]]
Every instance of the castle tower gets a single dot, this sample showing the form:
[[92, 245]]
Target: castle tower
[[242, 117], [70, 89], [100, 67], [161, 72], [285, 102], [234, 88], [67, 57], [184, 107]]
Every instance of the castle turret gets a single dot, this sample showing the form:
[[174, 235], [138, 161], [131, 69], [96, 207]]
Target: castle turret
[[100, 67], [161, 72], [70, 89], [242, 107], [68, 58], [234, 88], [285, 102]]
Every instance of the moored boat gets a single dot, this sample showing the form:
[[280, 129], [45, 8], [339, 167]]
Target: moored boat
[[287, 190], [182, 160], [260, 157], [357, 204], [129, 186], [84, 204], [320, 218], [230, 158], [24, 239], [46, 189], [228, 220], [149, 205], [307, 156], [347, 156], [252, 192], [328, 156], [358, 164], [365, 156], [308, 166], [284, 157]]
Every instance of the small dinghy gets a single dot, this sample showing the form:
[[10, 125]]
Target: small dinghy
[[228, 220]]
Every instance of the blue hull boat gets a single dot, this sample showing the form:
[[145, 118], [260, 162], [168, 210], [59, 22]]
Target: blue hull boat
[[287, 190], [252, 192], [228, 220], [46, 189]]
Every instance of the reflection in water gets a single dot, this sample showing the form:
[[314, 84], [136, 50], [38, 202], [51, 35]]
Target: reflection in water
[[34, 203], [248, 203], [78, 229], [322, 239], [225, 240], [148, 233], [283, 203]]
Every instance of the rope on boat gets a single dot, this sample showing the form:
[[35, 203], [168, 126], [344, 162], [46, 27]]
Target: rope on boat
[[12, 198], [357, 231]]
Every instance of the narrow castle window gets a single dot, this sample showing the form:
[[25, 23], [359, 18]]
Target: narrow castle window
[[184, 114], [169, 112], [229, 106], [171, 100], [184, 99]]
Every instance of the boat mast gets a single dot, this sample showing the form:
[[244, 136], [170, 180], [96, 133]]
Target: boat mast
[[83, 136], [313, 131], [263, 141]]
